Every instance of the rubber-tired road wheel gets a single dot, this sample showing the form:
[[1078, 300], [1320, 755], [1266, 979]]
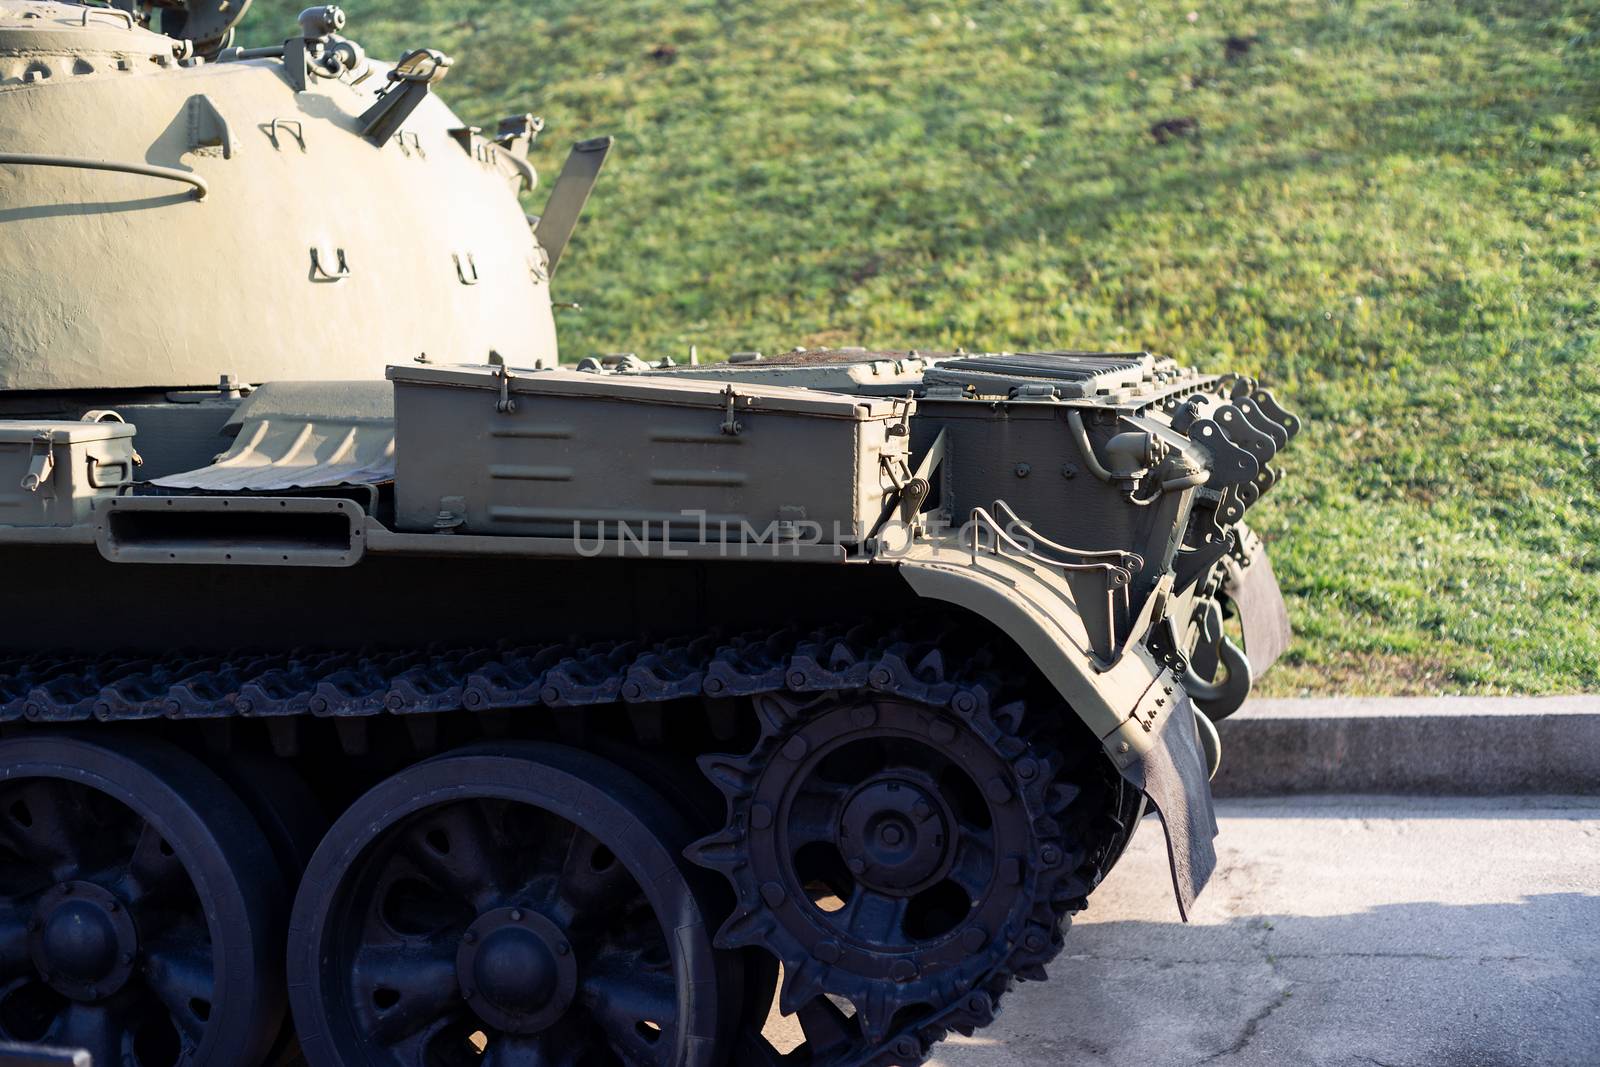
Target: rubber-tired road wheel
[[140, 908], [520, 904]]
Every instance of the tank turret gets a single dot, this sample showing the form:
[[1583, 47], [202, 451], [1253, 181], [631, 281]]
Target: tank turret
[[176, 213]]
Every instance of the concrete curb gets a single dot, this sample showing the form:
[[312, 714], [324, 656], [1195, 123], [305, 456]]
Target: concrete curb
[[1464, 746]]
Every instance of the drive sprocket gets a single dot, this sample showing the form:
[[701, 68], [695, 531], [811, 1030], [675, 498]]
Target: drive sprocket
[[905, 858]]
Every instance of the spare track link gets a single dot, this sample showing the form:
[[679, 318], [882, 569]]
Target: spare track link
[[900, 660]]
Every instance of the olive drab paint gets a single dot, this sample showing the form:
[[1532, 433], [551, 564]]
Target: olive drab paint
[[433, 683]]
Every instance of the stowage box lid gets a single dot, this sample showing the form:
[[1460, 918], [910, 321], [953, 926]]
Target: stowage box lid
[[652, 389], [18, 431]]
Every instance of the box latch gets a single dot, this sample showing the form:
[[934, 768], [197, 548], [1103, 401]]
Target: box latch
[[41, 460]]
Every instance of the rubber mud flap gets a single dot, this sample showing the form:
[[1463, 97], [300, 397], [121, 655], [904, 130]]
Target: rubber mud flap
[[1253, 588], [1173, 775]]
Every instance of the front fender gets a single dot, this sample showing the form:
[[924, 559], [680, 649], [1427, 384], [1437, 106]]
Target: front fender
[[1136, 707]]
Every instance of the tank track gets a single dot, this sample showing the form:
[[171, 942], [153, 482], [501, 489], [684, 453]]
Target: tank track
[[905, 661]]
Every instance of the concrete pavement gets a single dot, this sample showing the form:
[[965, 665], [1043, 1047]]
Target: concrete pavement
[[1398, 932]]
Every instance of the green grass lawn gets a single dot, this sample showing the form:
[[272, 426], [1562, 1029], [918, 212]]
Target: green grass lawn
[[1388, 210]]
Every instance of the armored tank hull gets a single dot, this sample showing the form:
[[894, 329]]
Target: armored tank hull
[[445, 706]]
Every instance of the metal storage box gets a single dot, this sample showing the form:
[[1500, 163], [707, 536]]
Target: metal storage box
[[51, 472], [653, 457]]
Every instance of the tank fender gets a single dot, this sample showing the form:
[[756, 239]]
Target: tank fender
[[1137, 708]]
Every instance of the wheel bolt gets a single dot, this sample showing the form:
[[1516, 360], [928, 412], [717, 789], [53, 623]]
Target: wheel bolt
[[516, 915]]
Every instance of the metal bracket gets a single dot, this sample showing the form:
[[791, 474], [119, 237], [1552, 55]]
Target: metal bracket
[[920, 486], [571, 192], [731, 425], [208, 130], [320, 273], [41, 461], [505, 405]]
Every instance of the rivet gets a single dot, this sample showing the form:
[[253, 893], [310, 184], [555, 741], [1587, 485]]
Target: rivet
[[1024, 469], [997, 790], [941, 731], [881, 678], [470, 937], [1034, 941], [1051, 855], [965, 703], [974, 938], [864, 715], [1068, 471], [1027, 769], [828, 951], [761, 816], [906, 1047], [796, 748], [773, 894], [922, 810], [857, 865], [516, 915], [903, 970], [714, 685], [1123, 747], [632, 691]]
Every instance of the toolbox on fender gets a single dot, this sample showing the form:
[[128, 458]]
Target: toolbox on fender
[[490, 449], [51, 472]]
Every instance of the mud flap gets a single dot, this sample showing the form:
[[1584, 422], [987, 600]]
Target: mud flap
[[1172, 774], [1253, 588]]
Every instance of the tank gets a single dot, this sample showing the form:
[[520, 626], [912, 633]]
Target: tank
[[378, 688]]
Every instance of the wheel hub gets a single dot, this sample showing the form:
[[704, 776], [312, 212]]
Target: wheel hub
[[894, 834], [516, 969], [82, 941]]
